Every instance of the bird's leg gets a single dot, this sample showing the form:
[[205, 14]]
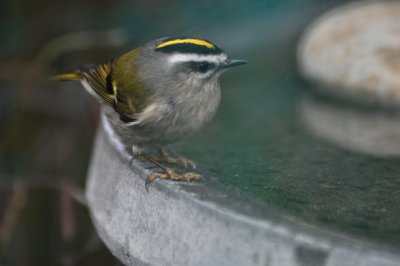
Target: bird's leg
[[180, 161], [136, 150], [169, 173]]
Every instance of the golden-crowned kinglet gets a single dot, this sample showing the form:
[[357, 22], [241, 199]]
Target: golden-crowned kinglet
[[158, 93]]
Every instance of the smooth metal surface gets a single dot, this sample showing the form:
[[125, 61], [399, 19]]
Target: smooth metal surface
[[278, 189], [175, 225]]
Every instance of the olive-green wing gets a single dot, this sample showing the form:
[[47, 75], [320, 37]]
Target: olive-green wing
[[121, 89], [99, 78], [117, 86], [130, 93]]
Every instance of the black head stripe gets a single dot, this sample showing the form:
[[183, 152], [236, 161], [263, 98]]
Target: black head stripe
[[190, 47]]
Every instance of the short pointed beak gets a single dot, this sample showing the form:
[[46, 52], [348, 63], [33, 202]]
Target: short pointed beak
[[233, 62]]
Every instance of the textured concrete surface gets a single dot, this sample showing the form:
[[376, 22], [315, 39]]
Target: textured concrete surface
[[175, 224]]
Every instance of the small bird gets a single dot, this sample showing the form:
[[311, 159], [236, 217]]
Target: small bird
[[157, 94]]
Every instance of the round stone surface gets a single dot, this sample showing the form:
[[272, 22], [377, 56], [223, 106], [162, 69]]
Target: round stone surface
[[353, 52]]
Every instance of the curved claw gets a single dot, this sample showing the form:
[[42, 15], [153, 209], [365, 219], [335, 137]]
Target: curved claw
[[191, 164], [171, 174], [151, 178], [191, 176], [180, 161], [185, 163], [147, 183]]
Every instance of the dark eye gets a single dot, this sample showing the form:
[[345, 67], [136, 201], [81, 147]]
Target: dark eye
[[201, 67]]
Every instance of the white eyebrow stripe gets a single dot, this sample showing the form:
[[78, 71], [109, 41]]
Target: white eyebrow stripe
[[175, 58]]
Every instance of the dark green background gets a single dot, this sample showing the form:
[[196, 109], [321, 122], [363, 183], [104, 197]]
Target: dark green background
[[256, 149]]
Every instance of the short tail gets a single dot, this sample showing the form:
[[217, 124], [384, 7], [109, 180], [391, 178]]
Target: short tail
[[67, 76]]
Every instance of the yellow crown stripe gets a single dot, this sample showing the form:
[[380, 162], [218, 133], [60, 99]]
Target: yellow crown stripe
[[193, 41]]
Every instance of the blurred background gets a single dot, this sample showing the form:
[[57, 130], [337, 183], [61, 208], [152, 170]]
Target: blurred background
[[47, 128]]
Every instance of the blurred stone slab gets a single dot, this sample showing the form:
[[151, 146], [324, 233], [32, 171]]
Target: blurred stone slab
[[187, 224], [354, 52], [356, 129]]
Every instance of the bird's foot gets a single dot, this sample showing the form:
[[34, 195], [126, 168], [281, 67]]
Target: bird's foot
[[172, 175], [179, 161]]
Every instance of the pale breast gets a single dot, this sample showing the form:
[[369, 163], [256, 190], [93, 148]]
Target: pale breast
[[170, 121]]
